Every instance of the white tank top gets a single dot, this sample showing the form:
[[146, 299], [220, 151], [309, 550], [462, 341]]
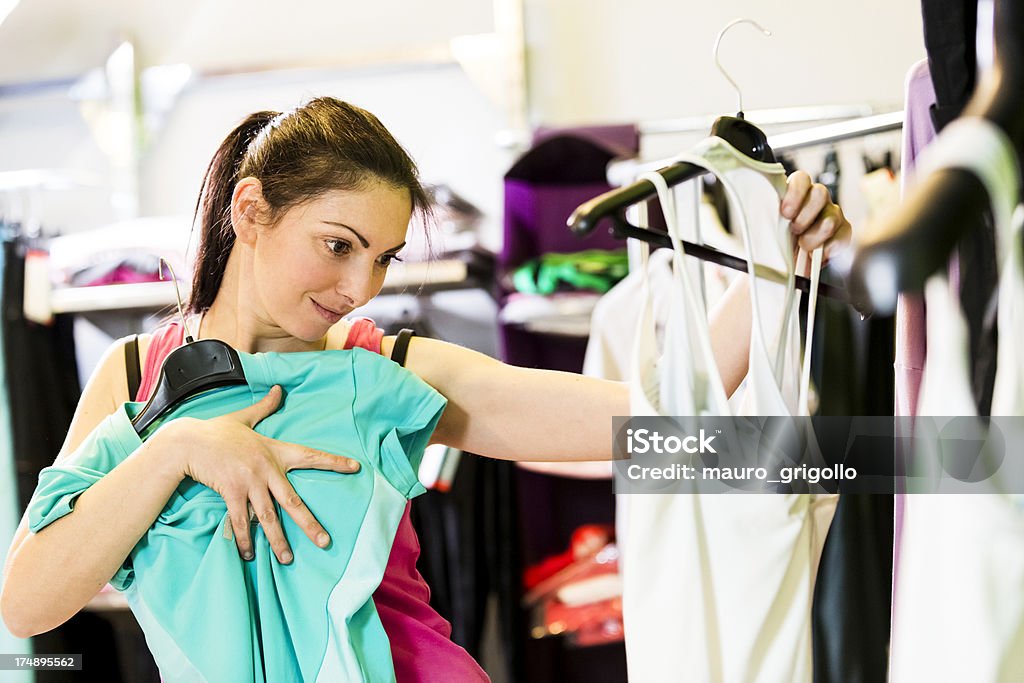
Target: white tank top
[[718, 587]]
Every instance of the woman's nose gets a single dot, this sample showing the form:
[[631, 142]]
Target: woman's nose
[[356, 286]]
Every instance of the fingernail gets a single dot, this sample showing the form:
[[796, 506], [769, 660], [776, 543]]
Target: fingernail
[[322, 540], [247, 555], [286, 558], [354, 465]]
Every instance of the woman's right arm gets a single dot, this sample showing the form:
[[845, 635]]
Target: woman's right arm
[[52, 574]]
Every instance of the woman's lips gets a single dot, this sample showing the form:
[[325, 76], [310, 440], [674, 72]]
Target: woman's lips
[[327, 314]]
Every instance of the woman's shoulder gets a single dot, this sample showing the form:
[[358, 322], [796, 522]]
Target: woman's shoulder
[[357, 332], [337, 335]]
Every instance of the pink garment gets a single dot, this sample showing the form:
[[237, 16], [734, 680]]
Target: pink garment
[[364, 334], [918, 131], [421, 645]]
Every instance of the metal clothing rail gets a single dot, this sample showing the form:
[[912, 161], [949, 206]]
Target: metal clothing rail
[[761, 117], [612, 204], [837, 132]]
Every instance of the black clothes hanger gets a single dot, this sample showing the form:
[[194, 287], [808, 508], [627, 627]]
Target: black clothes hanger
[[918, 239], [191, 369], [738, 132], [187, 371]]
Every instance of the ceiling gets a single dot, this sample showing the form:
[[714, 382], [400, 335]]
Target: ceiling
[[44, 40]]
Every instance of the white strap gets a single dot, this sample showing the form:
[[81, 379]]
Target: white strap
[[692, 301], [812, 304], [758, 340]]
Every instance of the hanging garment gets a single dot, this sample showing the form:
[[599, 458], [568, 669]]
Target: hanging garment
[[610, 352], [42, 386], [541, 190], [42, 391], [727, 598], [270, 621], [918, 132], [958, 611], [561, 170], [9, 511], [853, 358], [421, 640]]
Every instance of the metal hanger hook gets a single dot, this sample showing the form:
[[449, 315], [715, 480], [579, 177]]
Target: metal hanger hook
[[177, 293], [718, 63]]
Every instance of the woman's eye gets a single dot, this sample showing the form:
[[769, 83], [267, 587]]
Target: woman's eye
[[338, 247], [387, 259]]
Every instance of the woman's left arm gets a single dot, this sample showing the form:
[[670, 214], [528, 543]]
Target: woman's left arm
[[512, 413]]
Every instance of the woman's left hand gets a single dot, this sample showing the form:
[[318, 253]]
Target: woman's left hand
[[815, 219]]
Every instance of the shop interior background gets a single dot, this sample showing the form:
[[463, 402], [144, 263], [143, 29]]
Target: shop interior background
[[117, 106]]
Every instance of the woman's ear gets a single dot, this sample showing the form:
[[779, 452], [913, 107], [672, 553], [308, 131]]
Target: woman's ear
[[246, 208]]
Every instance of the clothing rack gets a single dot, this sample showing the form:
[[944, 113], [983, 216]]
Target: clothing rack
[[762, 117], [612, 204]]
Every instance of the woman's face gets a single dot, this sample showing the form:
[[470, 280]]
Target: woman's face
[[329, 256]]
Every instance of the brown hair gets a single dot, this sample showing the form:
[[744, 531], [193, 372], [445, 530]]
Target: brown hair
[[297, 155]]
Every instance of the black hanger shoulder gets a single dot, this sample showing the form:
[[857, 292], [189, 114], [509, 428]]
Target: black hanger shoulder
[[187, 371]]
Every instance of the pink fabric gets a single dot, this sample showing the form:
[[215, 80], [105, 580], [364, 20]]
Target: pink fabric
[[421, 645], [918, 131], [365, 334]]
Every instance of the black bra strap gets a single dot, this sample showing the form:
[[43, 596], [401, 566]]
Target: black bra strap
[[401, 346], [132, 366]]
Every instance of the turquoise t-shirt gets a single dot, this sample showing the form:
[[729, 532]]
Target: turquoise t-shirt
[[207, 614]]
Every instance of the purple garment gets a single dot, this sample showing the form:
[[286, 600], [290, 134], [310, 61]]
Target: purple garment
[[542, 189], [918, 132]]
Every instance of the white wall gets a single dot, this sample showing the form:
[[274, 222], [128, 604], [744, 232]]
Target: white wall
[[608, 60], [434, 111], [447, 125], [588, 62]]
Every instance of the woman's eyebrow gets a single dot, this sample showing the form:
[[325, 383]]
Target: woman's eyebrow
[[362, 240]]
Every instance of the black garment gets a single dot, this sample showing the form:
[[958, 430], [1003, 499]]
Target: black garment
[[43, 391], [950, 27], [852, 362], [469, 555], [949, 36], [979, 276], [853, 593], [42, 378]]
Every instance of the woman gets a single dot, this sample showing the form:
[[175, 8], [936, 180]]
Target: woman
[[302, 212]]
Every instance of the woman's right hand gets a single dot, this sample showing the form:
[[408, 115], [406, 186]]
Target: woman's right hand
[[245, 467]]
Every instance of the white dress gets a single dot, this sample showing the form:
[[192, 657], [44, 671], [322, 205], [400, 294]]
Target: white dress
[[718, 587]]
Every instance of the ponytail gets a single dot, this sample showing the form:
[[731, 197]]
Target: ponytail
[[213, 210]]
